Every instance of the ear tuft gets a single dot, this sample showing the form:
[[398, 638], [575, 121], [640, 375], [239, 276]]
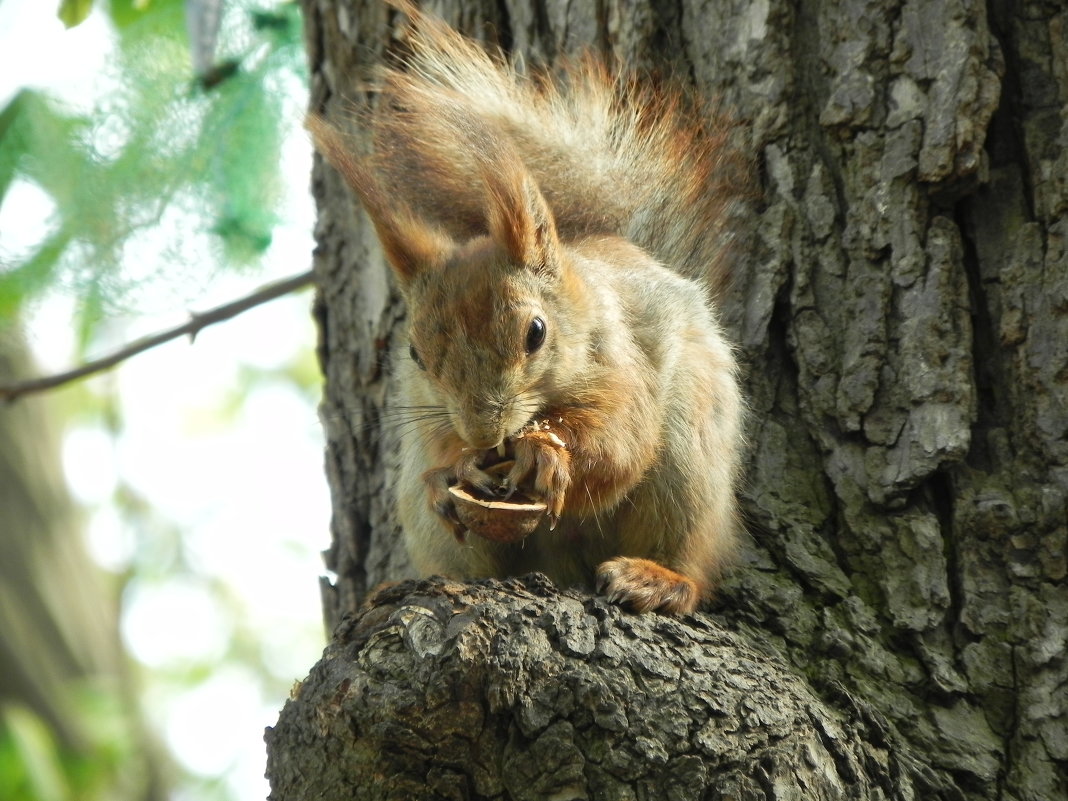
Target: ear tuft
[[520, 219], [411, 245]]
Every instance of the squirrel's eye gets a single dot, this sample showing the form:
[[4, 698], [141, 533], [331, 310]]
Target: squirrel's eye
[[535, 335], [415, 357]]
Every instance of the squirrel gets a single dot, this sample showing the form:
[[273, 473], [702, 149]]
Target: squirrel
[[560, 243]]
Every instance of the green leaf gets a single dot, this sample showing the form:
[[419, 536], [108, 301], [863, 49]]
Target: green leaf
[[36, 750], [35, 139], [10, 147], [74, 12], [127, 12], [31, 277]]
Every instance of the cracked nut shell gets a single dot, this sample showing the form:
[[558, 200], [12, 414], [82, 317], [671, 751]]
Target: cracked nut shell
[[495, 518]]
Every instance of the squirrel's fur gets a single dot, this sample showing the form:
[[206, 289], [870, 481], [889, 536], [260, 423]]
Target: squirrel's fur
[[559, 243]]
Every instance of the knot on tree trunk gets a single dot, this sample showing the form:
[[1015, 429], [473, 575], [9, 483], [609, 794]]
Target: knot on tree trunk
[[516, 690]]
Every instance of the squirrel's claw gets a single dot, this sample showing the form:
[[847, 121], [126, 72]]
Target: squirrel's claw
[[468, 470], [555, 503], [446, 510], [437, 484]]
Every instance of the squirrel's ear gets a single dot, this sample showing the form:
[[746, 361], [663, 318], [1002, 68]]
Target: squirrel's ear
[[520, 219], [410, 244]]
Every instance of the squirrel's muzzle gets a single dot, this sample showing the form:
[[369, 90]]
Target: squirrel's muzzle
[[481, 424]]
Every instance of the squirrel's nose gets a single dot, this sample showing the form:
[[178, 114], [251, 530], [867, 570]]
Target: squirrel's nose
[[480, 422], [480, 439], [481, 432]]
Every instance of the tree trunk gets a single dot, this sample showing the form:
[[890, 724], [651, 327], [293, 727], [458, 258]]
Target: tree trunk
[[903, 315]]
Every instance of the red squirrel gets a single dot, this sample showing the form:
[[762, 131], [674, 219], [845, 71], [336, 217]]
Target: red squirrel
[[559, 242]]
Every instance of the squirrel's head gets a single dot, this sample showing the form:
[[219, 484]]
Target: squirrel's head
[[484, 325], [483, 314], [483, 333]]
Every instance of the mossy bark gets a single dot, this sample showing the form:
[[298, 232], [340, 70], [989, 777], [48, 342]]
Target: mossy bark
[[902, 312]]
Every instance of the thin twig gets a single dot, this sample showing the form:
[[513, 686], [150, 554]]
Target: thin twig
[[197, 321]]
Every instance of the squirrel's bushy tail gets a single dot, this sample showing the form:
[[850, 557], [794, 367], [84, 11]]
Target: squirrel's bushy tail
[[609, 155]]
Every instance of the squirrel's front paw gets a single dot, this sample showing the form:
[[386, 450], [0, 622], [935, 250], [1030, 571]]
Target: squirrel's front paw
[[540, 451], [645, 586], [441, 500]]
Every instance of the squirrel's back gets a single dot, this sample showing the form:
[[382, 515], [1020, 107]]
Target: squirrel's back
[[609, 155]]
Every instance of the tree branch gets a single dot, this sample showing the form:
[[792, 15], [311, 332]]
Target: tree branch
[[197, 321], [513, 689]]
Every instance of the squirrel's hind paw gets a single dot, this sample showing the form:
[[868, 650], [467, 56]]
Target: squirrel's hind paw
[[642, 585]]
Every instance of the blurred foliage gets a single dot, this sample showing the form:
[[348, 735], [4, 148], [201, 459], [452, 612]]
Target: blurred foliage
[[35, 765], [161, 143], [181, 164], [74, 12], [70, 729]]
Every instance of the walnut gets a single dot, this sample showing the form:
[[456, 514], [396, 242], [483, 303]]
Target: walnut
[[495, 517]]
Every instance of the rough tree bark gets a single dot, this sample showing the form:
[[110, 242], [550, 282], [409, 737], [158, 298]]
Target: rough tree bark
[[898, 626]]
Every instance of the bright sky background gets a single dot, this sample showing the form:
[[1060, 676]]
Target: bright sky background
[[233, 487]]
